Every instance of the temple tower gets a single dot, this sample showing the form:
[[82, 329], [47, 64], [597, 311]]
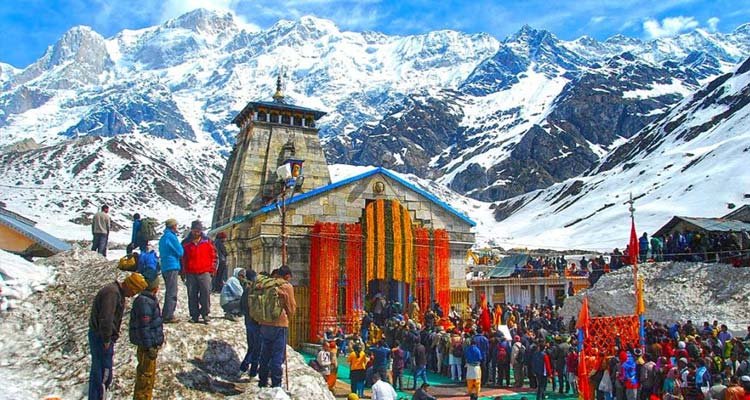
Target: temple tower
[[270, 133]]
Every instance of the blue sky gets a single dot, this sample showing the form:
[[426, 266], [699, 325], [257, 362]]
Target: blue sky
[[29, 26]]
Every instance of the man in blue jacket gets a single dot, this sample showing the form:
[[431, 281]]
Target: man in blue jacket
[[171, 252], [380, 364], [146, 332]]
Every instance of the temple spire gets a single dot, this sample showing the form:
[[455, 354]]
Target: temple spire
[[278, 96]]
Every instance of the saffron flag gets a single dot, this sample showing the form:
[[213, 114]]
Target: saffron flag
[[583, 315], [633, 249], [484, 316], [640, 305]]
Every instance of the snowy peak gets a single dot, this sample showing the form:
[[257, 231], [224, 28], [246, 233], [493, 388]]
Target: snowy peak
[[307, 28], [202, 20], [622, 40], [7, 72], [79, 44], [78, 58]]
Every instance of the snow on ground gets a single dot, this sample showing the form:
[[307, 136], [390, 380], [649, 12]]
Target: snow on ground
[[45, 350], [20, 278], [673, 291]]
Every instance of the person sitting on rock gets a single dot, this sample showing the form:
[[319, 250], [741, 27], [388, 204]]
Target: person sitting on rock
[[231, 294]]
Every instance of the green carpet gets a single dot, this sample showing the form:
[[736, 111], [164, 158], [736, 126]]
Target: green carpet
[[532, 395], [407, 380]]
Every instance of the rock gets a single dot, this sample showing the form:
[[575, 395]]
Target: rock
[[673, 291], [45, 345]]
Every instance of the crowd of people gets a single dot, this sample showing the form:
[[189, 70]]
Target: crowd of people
[[726, 247], [265, 300], [504, 345], [538, 351]]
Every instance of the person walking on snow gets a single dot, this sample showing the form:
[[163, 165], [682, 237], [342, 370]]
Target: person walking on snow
[[100, 227], [199, 265], [171, 255], [104, 330], [135, 241]]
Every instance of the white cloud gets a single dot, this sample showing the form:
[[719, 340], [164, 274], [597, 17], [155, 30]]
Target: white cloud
[[712, 22], [598, 19], [669, 26]]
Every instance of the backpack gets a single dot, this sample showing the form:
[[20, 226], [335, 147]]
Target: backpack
[[458, 350], [128, 263], [264, 301], [502, 354], [147, 231], [521, 358]]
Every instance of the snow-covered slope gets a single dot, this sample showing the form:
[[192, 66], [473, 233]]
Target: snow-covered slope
[[488, 119], [61, 186], [691, 162]]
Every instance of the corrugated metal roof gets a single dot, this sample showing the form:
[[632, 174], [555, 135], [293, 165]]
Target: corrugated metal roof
[[507, 265], [43, 238], [718, 224]]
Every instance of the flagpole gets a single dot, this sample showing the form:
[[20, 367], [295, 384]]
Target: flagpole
[[634, 257], [634, 254]]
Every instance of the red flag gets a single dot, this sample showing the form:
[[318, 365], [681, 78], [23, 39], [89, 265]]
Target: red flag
[[583, 315], [485, 322], [584, 387], [633, 249]]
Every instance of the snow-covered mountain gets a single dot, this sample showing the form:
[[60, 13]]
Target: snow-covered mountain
[[130, 118], [693, 161], [539, 111]]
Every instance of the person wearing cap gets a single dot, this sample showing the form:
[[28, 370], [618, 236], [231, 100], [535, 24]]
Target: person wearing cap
[[171, 252], [221, 270], [104, 330], [147, 333], [198, 265], [274, 333]]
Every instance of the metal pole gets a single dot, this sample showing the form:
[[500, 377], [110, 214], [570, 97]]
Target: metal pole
[[283, 228]]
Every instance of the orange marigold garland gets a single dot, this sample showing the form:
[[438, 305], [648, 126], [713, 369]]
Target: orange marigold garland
[[314, 281], [370, 245], [398, 262], [354, 295], [380, 239], [422, 249], [442, 268], [409, 266]]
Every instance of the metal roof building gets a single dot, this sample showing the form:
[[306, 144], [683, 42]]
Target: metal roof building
[[681, 224], [19, 235]]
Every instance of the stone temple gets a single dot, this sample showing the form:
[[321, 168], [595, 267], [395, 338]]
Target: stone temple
[[373, 234]]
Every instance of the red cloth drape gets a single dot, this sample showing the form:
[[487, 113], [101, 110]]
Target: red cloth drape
[[354, 278], [314, 281], [422, 251], [442, 269], [324, 278]]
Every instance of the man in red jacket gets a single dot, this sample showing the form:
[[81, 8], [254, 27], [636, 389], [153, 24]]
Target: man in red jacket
[[199, 266]]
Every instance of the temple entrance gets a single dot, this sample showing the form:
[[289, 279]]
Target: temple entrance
[[385, 255]]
